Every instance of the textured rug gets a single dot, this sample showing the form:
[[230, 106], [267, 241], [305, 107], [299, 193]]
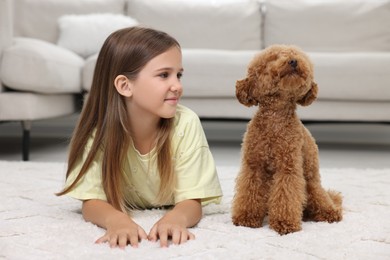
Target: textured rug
[[35, 224]]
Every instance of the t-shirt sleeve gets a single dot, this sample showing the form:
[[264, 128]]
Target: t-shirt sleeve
[[197, 178], [195, 167], [90, 185]]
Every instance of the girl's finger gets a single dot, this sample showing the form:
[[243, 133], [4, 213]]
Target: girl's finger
[[134, 240], [141, 233], [102, 239], [177, 235], [163, 235], [113, 241], [122, 240], [153, 234], [191, 236], [184, 236]]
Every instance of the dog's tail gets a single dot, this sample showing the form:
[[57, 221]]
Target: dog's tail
[[336, 197], [331, 213]]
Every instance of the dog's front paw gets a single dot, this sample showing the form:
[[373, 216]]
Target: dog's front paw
[[284, 227]]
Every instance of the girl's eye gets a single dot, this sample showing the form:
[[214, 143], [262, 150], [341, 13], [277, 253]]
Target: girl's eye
[[164, 75], [179, 75]]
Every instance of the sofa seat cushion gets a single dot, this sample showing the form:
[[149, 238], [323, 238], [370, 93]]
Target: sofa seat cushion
[[15, 106], [38, 66], [329, 25], [213, 73], [344, 111], [360, 76], [228, 25], [324, 110]]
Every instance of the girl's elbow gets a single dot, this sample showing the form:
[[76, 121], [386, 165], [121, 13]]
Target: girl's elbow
[[86, 210]]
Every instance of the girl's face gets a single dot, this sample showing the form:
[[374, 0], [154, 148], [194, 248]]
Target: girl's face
[[157, 89]]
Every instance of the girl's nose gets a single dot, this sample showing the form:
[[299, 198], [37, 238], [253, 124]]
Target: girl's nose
[[177, 86]]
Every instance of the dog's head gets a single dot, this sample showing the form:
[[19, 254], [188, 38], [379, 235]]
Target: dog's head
[[279, 72]]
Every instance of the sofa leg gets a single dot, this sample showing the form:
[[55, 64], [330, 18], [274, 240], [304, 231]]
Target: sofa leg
[[26, 125]]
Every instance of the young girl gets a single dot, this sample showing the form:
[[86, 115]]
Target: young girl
[[135, 147]]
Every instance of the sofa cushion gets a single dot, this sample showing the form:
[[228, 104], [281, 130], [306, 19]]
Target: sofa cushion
[[38, 66], [88, 70], [342, 111], [329, 25], [30, 106], [213, 73], [85, 34], [203, 74], [38, 19], [360, 76], [229, 25]]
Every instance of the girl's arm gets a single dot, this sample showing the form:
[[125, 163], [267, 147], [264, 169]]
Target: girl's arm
[[121, 229], [174, 224]]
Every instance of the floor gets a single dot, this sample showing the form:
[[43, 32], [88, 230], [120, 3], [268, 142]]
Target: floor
[[340, 145]]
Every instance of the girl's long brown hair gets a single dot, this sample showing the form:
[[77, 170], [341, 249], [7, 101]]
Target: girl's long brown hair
[[125, 52]]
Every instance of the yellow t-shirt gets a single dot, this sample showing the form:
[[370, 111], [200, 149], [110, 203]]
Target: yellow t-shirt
[[196, 175]]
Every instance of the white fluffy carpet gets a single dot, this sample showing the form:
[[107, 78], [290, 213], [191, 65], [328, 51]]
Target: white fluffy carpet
[[35, 224]]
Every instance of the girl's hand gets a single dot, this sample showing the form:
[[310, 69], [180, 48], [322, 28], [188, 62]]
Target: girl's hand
[[120, 228], [175, 223], [164, 230], [121, 231]]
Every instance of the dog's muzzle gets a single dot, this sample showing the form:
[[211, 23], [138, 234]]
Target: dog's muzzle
[[293, 63]]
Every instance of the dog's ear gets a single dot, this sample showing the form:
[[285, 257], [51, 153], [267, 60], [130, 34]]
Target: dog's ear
[[244, 91], [310, 96]]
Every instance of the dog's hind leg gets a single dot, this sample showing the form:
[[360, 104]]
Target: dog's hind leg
[[321, 205], [249, 203]]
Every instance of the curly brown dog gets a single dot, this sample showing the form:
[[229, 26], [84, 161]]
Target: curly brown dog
[[279, 173]]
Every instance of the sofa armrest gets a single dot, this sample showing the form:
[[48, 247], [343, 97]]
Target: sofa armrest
[[6, 27]]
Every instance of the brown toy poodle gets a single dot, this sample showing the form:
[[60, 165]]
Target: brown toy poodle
[[279, 173]]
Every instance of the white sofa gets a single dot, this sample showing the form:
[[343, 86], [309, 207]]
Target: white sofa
[[22, 100], [50, 54]]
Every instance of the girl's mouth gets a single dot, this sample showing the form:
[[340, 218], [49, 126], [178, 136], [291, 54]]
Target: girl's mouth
[[173, 100]]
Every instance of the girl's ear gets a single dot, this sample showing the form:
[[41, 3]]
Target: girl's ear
[[123, 86]]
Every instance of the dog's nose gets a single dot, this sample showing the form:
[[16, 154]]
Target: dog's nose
[[293, 63]]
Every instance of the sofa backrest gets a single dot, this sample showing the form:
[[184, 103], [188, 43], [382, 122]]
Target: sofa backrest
[[203, 24], [5, 27], [329, 25], [314, 25], [38, 18], [5, 24]]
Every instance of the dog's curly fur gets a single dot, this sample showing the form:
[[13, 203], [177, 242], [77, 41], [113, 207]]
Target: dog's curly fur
[[279, 173]]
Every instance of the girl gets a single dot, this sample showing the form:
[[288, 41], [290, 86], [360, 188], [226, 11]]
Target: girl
[[135, 147]]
